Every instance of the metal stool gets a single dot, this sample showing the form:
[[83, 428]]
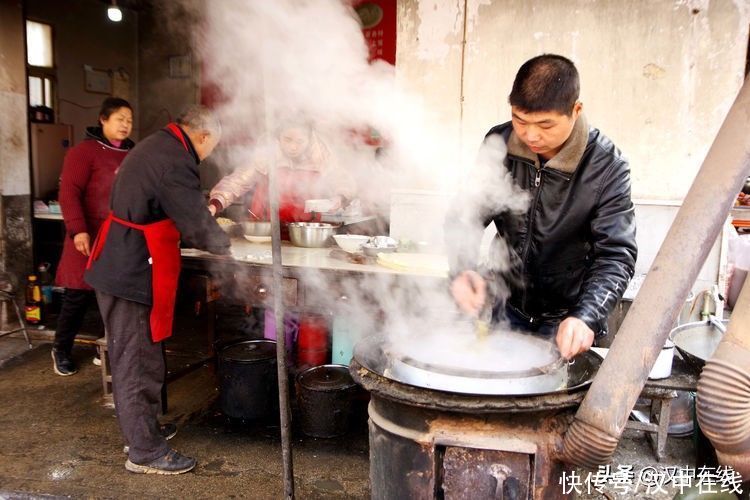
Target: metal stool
[[5, 297]]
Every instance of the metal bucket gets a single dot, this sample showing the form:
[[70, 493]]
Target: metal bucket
[[248, 387], [617, 316], [325, 396]]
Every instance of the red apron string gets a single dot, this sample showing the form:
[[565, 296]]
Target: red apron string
[[172, 127]]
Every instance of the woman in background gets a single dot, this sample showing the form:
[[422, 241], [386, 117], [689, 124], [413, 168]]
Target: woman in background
[[86, 183], [305, 170]]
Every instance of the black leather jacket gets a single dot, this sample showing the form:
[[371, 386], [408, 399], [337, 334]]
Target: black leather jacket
[[573, 252]]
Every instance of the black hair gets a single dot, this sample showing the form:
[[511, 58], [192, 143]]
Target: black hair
[[287, 123], [546, 83], [112, 104]]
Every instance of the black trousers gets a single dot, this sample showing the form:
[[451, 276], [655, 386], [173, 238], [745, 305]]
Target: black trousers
[[138, 370], [73, 310]]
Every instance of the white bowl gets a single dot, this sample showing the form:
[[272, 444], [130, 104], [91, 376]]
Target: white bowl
[[351, 243]]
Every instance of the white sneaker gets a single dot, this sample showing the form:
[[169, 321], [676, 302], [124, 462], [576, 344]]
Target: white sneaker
[[97, 360]]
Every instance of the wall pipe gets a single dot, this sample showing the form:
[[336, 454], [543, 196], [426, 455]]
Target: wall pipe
[[723, 403], [595, 432]]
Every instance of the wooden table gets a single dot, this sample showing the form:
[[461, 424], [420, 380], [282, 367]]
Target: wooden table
[[314, 280]]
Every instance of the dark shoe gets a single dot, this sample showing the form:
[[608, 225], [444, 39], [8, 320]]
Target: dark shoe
[[62, 364], [171, 463], [168, 431]]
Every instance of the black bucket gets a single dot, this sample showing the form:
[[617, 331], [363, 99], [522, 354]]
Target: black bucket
[[325, 400], [248, 387]]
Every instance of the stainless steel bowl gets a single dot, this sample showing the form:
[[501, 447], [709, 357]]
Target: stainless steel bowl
[[310, 234], [256, 228], [373, 251]]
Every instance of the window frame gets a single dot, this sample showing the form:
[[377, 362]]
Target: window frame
[[51, 41], [45, 73], [45, 76]]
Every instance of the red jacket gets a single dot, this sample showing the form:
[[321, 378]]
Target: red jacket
[[85, 185]]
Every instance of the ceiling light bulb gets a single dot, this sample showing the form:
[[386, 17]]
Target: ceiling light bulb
[[114, 14]]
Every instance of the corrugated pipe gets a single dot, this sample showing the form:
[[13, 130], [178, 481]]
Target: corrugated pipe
[[601, 418], [723, 403]]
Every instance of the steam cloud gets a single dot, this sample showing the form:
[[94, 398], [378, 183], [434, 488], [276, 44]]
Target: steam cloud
[[308, 59]]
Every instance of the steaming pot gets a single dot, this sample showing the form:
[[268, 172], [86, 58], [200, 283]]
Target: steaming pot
[[505, 363]]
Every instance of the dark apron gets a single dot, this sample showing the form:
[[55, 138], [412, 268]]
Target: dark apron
[[163, 243]]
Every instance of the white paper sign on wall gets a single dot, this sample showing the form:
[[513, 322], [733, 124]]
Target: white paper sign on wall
[[97, 80]]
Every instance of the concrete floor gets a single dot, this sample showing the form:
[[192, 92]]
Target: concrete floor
[[57, 439]]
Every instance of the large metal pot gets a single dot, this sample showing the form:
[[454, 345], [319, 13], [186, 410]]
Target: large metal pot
[[537, 380], [248, 386], [505, 363], [325, 400], [696, 342], [311, 234]]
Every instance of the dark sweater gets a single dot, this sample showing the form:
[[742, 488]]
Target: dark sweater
[[159, 179]]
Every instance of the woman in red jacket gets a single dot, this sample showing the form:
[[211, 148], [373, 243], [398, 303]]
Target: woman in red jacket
[[85, 186]]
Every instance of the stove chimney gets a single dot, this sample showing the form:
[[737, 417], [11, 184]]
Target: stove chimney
[[601, 418]]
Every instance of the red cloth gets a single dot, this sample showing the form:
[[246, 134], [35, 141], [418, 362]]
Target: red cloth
[[293, 186], [163, 242], [86, 183]]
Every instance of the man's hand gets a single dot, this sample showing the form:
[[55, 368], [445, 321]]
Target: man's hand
[[212, 209], [573, 337], [82, 243], [470, 292]]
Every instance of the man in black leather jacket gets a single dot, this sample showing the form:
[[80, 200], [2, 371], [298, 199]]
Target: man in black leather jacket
[[572, 250]]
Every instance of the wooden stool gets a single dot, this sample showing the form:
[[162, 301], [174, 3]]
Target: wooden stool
[[106, 372], [658, 410]]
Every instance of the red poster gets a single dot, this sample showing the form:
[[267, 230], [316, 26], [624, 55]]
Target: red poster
[[378, 18]]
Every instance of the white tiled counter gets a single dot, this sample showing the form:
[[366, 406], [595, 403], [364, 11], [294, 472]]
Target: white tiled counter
[[259, 254], [312, 278]]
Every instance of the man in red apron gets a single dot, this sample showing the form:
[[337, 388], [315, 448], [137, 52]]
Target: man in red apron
[[134, 267]]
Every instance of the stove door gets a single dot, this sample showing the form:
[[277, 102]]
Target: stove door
[[485, 474]]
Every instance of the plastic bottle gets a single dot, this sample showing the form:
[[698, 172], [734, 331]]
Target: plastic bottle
[[313, 341], [34, 305], [45, 280]]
